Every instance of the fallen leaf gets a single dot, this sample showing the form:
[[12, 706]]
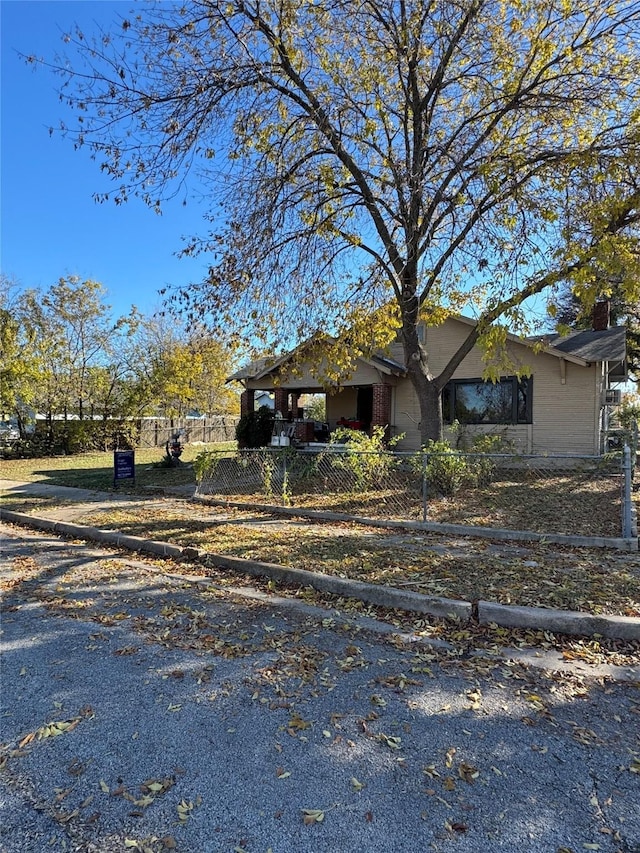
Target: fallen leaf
[[468, 772], [296, 723], [357, 786], [390, 741], [311, 816]]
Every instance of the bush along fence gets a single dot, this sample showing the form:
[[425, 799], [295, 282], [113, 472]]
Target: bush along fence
[[570, 495]]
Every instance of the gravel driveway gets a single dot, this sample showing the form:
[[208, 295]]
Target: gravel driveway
[[144, 712]]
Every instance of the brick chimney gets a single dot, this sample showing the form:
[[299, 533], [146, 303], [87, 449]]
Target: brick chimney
[[600, 316]]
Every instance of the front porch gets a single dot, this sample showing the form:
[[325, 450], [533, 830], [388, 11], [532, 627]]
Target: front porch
[[356, 407], [364, 400]]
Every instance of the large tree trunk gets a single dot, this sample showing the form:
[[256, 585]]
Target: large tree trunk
[[427, 387]]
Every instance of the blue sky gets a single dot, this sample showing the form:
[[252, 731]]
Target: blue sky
[[50, 225]]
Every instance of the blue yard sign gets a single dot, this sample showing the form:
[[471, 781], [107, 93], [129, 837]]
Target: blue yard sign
[[124, 467]]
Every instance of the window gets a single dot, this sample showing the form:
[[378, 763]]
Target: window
[[473, 401]]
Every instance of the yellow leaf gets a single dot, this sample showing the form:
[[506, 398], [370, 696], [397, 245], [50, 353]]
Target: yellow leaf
[[358, 786], [104, 787], [430, 771], [129, 842], [310, 816], [391, 742], [154, 787], [184, 810]]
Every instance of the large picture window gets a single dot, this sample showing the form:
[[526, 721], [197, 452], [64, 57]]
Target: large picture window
[[474, 401]]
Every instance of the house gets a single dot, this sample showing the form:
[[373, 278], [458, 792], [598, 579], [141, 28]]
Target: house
[[561, 403], [264, 398]]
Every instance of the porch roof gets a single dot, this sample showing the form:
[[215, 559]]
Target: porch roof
[[269, 365]]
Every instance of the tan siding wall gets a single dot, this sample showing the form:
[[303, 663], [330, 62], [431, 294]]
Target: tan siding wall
[[364, 375], [565, 416], [406, 416], [341, 405]]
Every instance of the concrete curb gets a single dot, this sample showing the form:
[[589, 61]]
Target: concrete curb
[[617, 542], [382, 596], [559, 621], [536, 618]]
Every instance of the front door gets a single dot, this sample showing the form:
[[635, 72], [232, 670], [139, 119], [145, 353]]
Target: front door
[[364, 406]]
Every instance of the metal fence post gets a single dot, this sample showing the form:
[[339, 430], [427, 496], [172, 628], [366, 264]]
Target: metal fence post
[[285, 485], [626, 497], [425, 459]]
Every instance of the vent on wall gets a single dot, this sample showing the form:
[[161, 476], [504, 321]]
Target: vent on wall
[[612, 397]]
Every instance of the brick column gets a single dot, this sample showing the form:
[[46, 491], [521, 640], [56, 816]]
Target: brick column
[[381, 414], [247, 401], [281, 401], [294, 404]]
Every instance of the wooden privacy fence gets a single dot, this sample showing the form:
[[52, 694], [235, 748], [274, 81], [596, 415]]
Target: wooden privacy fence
[[155, 432]]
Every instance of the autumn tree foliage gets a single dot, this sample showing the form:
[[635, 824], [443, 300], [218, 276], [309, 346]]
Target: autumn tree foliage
[[372, 164], [63, 355]]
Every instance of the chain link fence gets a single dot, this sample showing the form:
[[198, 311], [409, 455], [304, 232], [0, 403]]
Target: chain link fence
[[575, 495]]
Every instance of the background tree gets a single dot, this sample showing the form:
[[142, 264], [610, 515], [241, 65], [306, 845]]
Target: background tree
[[20, 368], [387, 162], [72, 344], [176, 371]]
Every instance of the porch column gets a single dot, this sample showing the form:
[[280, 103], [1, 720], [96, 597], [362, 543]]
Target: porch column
[[294, 404], [381, 413], [281, 401], [247, 401]]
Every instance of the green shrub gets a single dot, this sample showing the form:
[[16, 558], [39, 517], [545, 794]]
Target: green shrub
[[481, 463], [446, 469], [255, 428], [366, 457]]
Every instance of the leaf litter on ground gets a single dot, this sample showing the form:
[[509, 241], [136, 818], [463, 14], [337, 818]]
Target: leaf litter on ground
[[593, 580]]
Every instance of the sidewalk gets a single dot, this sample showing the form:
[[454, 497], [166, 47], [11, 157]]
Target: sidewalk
[[60, 519]]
